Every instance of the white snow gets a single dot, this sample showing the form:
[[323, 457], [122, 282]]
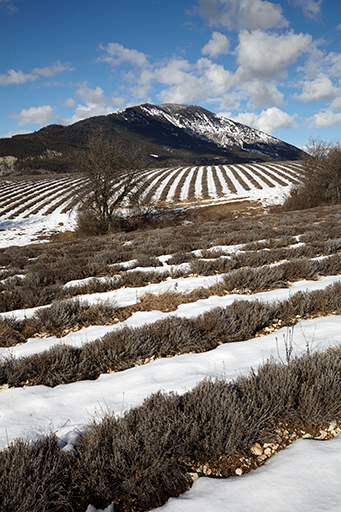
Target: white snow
[[305, 477], [22, 231], [30, 411]]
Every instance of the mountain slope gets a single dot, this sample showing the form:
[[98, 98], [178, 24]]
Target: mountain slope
[[173, 134], [224, 132]]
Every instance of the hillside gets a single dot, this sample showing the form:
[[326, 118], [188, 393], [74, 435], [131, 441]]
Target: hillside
[[139, 363], [40, 205], [170, 134]]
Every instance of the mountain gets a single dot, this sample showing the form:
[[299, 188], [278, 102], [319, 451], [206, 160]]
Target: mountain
[[171, 134]]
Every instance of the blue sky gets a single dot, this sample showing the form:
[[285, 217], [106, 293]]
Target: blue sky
[[275, 65]]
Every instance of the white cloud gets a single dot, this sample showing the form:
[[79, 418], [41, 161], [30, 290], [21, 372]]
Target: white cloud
[[217, 45], [8, 5], [86, 111], [268, 120], [218, 79], [92, 96], [69, 102], [94, 103], [320, 89], [311, 8], [115, 54], [242, 14], [336, 104], [264, 94], [52, 70], [190, 83], [265, 56], [325, 119], [14, 132], [35, 115], [18, 77]]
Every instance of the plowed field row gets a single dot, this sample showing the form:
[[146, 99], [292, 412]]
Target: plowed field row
[[25, 197]]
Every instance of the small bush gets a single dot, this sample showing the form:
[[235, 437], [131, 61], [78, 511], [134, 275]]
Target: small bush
[[141, 458], [321, 184]]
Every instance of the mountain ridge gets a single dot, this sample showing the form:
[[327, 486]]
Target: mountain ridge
[[175, 134]]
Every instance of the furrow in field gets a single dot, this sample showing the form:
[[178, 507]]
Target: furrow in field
[[50, 204], [226, 180], [270, 179], [23, 192], [287, 172], [175, 194], [157, 184], [204, 184], [236, 174], [166, 189], [245, 171], [276, 174], [217, 181], [36, 198], [25, 201], [191, 186]]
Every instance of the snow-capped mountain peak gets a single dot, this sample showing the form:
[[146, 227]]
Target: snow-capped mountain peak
[[199, 122]]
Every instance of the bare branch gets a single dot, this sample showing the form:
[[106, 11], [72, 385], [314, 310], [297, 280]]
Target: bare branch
[[114, 175]]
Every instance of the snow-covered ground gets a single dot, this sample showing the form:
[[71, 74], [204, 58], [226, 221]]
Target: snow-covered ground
[[302, 478], [305, 477], [19, 227]]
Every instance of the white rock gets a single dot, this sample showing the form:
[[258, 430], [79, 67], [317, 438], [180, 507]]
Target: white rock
[[332, 426], [257, 449]]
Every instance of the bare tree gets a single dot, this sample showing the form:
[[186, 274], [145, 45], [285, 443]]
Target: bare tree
[[114, 174], [321, 184]]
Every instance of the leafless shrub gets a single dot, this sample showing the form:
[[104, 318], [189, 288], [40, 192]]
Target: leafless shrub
[[9, 334], [146, 260], [139, 460], [122, 349], [72, 313], [35, 476], [180, 257], [322, 180]]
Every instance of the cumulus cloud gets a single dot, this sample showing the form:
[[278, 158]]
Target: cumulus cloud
[[263, 94], [311, 8], [35, 115], [69, 102], [86, 111], [320, 89], [265, 56], [242, 14], [217, 45], [10, 134], [192, 82], [18, 77], [268, 120], [93, 103], [219, 80], [336, 104], [325, 119], [115, 54], [262, 59], [52, 70]]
